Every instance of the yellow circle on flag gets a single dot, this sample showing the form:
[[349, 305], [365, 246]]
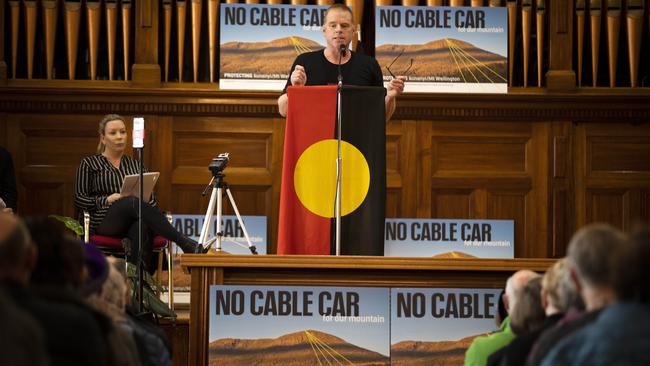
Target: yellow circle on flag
[[314, 178]]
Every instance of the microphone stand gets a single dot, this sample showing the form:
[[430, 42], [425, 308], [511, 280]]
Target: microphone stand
[[139, 269], [339, 170], [138, 144]]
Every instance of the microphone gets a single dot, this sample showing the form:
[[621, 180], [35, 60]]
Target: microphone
[[138, 132], [344, 50]]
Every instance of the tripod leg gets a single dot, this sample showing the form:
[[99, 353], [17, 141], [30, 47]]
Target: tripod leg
[[241, 222], [219, 207], [205, 230]]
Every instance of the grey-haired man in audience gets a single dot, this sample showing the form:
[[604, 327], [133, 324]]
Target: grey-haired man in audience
[[595, 254]]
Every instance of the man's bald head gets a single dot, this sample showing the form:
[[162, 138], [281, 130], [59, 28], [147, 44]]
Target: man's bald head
[[515, 284], [16, 248]]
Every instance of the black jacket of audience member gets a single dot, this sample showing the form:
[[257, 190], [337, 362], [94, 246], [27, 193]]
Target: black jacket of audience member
[[552, 336], [516, 353], [151, 341], [72, 333], [22, 342]]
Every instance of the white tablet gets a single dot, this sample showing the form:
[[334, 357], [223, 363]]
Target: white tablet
[[131, 185]]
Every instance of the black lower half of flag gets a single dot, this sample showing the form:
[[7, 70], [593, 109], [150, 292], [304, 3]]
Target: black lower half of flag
[[364, 126]]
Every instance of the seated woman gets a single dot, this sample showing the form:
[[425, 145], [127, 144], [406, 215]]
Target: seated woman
[[99, 180]]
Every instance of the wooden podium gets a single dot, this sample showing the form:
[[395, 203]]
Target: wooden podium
[[207, 270]]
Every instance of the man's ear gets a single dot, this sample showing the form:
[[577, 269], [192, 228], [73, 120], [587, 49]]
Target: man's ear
[[575, 278]]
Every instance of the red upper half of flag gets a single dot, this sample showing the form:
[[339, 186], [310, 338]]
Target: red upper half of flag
[[311, 117]]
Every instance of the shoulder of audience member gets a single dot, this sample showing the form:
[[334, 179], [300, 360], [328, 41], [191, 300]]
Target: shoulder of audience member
[[567, 349], [75, 303]]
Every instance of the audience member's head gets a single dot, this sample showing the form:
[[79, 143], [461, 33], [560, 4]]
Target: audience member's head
[[514, 285], [18, 254], [559, 293], [60, 257], [96, 269], [593, 253], [631, 280], [112, 297], [120, 266], [115, 290], [529, 314]]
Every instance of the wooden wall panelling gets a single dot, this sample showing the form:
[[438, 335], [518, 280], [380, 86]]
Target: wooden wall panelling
[[538, 165], [393, 177], [277, 141], [45, 170], [495, 171], [509, 204], [424, 131], [157, 157], [177, 332], [408, 171], [561, 218], [454, 203], [613, 173], [254, 154], [401, 169], [645, 204], [608, 205], [579, 158]]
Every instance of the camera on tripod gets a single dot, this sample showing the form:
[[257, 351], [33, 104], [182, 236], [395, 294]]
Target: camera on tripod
[[218, 164], [218, 184]]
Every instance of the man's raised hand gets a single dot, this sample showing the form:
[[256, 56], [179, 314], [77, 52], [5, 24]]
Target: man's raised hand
[[298, 76]]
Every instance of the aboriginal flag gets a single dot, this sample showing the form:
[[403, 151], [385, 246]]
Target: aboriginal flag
[[307, 196]]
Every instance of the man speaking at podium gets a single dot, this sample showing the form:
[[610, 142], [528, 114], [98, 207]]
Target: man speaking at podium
[[308, 221], [321, 67]]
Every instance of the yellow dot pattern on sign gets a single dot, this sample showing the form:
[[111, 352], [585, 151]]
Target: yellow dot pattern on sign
[[315, 178]]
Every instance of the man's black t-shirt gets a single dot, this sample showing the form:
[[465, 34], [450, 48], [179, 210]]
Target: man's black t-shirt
[[360, 70]]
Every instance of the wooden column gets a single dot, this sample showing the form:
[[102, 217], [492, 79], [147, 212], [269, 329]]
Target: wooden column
[[50, 14], [30, 34], [146, 70], [14, 14], [560, 75], [634, 36], [580, 35], [111, 32]]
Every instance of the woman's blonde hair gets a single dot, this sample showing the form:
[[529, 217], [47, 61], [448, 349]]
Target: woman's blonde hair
[[102, 127], [562, 292]]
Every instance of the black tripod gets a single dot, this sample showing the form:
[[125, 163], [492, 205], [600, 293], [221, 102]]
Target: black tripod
[[218, 184]]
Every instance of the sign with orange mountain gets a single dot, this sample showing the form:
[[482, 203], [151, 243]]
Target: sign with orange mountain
[[444, 49], [259, 43], [293, 325], [298, 325], [435, 326], [449, 238]]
